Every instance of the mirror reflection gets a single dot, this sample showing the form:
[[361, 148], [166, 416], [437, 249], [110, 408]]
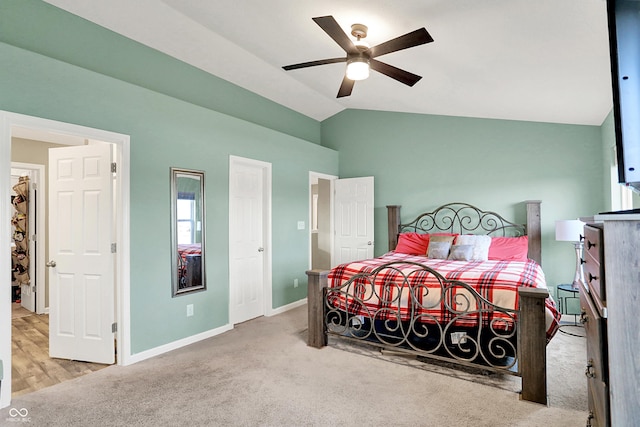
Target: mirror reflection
[[187, 230]]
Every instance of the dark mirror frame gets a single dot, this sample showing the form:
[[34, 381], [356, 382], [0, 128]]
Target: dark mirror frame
[[187, 231]]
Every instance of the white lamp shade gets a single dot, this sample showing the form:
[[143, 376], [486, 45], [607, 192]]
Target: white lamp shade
[[569, 230]]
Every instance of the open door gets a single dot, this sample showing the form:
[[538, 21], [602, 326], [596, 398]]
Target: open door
[[353, 219], [81, 270]]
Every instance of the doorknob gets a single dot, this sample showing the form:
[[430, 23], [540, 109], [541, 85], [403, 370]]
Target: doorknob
[[369, 243], [51, 263], [260, 249]]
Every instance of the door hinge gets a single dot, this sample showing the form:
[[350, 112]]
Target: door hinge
[[34, 238], [34, 186], [114, 327], [113, 167], [113, 248]]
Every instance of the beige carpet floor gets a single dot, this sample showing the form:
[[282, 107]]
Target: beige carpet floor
[[262, 373]]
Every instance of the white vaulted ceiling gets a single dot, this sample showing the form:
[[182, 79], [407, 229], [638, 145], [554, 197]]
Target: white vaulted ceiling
[[542, 60]]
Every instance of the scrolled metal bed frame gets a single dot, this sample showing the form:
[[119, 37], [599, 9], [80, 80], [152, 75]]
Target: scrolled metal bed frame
[[514, 342]]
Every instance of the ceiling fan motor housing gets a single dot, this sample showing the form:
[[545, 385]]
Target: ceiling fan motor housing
[[359, 31]]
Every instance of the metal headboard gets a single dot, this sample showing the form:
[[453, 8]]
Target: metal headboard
[[463, 218]]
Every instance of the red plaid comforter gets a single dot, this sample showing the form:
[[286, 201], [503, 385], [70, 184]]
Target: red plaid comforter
[[497, 281], [189, 249]]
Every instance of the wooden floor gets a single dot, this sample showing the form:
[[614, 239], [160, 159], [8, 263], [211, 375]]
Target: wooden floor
[[32, 368]]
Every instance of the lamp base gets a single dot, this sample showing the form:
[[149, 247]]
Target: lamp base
[[579, 277]]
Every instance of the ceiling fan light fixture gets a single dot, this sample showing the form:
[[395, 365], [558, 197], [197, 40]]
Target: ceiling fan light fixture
[[358, 69]]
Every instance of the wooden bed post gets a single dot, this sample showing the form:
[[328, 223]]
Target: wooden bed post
[[534, 230], [317, 281], [393, 225], [532, 345]]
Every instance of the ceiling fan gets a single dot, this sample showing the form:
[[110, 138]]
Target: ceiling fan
[[360, 57]]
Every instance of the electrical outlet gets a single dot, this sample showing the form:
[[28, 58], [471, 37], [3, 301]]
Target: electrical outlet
[[189, 310], [295, 283]]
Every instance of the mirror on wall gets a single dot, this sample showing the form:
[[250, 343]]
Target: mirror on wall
[[187, 231]]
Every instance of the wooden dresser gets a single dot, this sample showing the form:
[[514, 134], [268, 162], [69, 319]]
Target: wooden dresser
[[609, 299]]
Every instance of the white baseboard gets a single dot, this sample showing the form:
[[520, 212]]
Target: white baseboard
[[156, 351], [287, 307]]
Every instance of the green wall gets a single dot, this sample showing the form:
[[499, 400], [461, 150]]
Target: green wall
[[40, 27], [423, 161], [166, 131]]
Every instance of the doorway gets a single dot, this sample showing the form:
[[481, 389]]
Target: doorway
[[321, 220], [38, 129], [341, 218], [26, 266]]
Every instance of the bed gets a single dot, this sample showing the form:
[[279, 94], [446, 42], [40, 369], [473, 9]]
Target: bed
[[189, 265], [436, 299]]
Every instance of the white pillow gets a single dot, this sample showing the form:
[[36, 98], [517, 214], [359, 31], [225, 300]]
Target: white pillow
[[480, 245]]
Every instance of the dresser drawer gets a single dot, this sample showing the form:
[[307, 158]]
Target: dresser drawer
[[598, 403], [596, 369], [593, 242], [593, 258], [595, 332]]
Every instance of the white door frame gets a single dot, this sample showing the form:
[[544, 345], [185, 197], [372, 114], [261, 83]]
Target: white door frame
[[10, 121], [41, 242], [266, 230], [313, 179]]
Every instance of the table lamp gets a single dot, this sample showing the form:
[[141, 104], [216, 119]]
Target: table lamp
[[571, 230]]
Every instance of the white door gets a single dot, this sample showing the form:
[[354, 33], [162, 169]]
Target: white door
[[81, 291], [247, 248], [353, 219]]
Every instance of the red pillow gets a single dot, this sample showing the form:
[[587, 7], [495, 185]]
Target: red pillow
[[412, 243], [509, 248]]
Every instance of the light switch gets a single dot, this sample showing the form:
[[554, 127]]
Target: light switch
[[300, 225]]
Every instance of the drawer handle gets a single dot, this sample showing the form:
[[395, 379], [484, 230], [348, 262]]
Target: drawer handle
[[590, 372], [583, 317], [590, 245], [592, 277]]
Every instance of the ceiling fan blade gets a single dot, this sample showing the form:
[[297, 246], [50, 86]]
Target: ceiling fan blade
[[346, 87], [395, 73], [414, 38], [331, 27], [314, 63]]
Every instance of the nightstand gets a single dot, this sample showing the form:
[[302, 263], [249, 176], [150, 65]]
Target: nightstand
[[567, 292]]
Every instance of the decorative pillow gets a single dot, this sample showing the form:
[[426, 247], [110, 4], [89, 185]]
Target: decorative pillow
[[438, 250], [454, 235], [509, 248], [412, 243], [480, 245], [442, 237], [461, 252]]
